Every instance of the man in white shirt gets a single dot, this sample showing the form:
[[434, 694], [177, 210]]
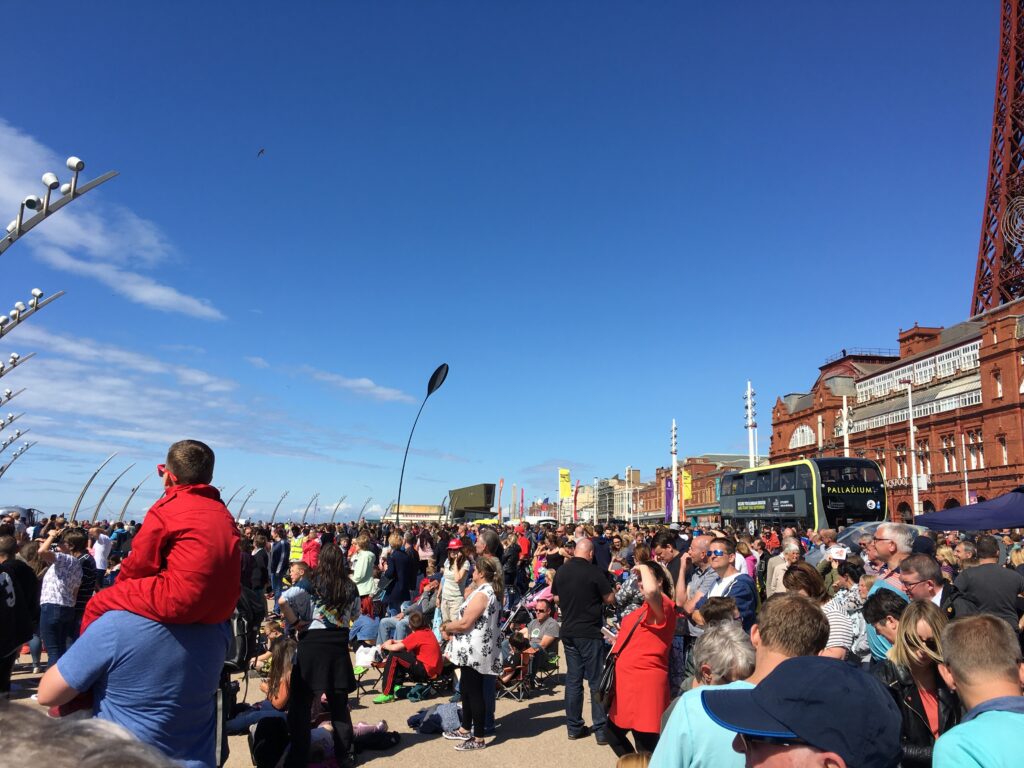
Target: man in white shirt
[[101, 546], [921, 579]]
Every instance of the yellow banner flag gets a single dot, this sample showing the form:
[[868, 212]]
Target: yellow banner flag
[[687, 485], [564, 484]]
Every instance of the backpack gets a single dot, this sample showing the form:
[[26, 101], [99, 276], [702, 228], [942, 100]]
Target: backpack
[[245, 622]]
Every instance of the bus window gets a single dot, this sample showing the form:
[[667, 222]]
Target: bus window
[[870, 474], [803, 477], [787, 479], [775, 479], [764, 482], [750, 483]]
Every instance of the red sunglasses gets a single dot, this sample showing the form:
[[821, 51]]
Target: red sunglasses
[[161, 470]]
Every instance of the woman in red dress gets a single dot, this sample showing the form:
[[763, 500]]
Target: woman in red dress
[[641, 672]]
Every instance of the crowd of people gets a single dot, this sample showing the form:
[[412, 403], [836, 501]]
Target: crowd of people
[[700, 646]]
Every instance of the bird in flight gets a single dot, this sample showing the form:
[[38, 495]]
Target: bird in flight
[[260, 153]]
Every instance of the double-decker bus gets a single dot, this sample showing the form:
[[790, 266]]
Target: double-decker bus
[[814, 493]]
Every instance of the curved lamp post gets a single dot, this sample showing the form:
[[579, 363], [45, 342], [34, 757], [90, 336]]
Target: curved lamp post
[[120, 517], [436, 380], [96, 513], [315, 497], [365, 505], [78, 502], [69, 191], [274, 514], [246, 501], [336, 507], [228, 502], [14, 457]]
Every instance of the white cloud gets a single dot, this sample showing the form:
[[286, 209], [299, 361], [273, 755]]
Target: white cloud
[[257, 362], [361, 386], [113, 241], [116, 358]]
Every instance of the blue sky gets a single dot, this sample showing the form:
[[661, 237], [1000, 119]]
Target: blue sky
[[602, 215]]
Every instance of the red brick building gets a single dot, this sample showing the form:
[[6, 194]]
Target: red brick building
[[965, 383]]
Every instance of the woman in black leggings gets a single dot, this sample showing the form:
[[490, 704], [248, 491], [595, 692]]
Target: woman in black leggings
[[322, 663]]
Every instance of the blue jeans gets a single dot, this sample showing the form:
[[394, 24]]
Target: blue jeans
[[392, 628], [277, 582], [584, 660], [240, 724], [56, 625]]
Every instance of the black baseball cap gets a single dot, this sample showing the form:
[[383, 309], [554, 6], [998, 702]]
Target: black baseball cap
[[818, 701]]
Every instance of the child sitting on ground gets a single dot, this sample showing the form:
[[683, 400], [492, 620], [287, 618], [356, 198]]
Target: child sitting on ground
[[185, 563]]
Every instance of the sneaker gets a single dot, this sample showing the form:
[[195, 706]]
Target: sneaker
[[457, 735], [470, 744], [37, 670], [357, 671], [384, 698]]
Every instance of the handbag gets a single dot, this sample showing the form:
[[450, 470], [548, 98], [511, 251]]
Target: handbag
[[606, 683]]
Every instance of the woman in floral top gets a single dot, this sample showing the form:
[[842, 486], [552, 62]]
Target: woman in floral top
[[474, 647], [630, 595]]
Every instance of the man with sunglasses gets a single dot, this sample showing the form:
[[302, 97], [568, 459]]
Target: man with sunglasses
[[731, 583]]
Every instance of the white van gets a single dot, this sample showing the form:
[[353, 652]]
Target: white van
[[538, 520]]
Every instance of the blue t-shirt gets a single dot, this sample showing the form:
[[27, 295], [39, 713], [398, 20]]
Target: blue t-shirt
[[691, 738], [159, 681], [365, 628], [983, 740], [879, 645]]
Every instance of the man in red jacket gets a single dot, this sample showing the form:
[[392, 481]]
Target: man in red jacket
[[185, 562]]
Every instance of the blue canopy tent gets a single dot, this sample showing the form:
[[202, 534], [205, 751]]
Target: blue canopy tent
[[1006, 511]]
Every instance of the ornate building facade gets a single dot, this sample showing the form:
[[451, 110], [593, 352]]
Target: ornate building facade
[[964, 384]]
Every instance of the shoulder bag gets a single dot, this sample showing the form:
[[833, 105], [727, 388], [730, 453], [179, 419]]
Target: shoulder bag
[[606, 685]]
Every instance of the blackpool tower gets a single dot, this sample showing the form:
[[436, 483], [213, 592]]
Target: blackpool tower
[[1000, 271]]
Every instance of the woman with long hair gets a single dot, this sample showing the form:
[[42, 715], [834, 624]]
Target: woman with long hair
[[641, 670], [322, 663], [910, 673], [277, 686], [474, 647]]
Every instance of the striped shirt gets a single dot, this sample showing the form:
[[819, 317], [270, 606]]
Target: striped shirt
[[840, 628]]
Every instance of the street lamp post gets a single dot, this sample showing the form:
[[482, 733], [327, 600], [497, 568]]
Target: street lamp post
[[361, 511], [120, 517], [436, 380], [228, 502], [96, 513], [78, 502], [69, 191], [246, 501], [14, 457], [276, 507], [911, 445], [337, 507], [306, 511]]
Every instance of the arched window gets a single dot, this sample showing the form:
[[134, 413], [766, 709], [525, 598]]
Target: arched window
[[928, 506], [905, 515], [802, 436], [951, 504]]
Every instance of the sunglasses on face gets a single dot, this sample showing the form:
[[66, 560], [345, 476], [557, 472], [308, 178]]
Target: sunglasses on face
[[750, 743], [161, 470], [717, 552]]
